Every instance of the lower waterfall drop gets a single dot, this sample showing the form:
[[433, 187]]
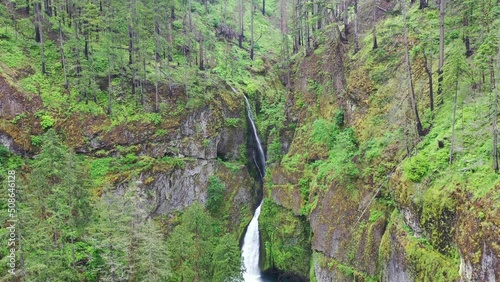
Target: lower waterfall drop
[[250, 249]]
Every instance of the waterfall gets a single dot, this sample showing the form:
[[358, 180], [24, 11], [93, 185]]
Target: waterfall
[[251, 243], [250, 250], [260, 159]]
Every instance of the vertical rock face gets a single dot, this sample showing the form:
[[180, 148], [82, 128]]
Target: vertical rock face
[[477, 236], [199, 139], [394, 258], [486, 271]]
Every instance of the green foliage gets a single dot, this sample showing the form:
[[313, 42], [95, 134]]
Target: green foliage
[[199, 250], [16, 119], [338, 118], [232, 122], [215, 197], [54, 211], [225, 260], [375, 215], [339, 165], [324, 133], [47, 122], [154, 118], [160, 132], [286, 238], [36, 140], [274, 150], [416, 168], [206, 143]]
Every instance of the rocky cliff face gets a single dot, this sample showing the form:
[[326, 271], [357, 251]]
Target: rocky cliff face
[[200, 141], [381, 224]]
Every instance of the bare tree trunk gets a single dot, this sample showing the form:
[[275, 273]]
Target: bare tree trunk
[[306, 29], [171, 31], [241, 16], [132, 46], [423, 4], [356, 40], [283, 25], [452, 143], [441, 51], [495, 131], [44, 70], [157, 58], [63, 58], [48, 8], [375, 44], [202, 67], [346, 19], [320, 15], [420, 129], [252, 10], [428, 71], [495, 116], [110, 86]]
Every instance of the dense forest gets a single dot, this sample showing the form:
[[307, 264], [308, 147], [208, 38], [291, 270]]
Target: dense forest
[[127, 151]]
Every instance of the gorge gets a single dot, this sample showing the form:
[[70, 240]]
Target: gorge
[[225, 140]]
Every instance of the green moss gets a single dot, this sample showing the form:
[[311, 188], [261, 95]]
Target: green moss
[[286, 238], [375, 215], [427, 265]]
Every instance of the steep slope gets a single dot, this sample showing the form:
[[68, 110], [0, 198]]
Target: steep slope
[[358, 187], [381, 202]]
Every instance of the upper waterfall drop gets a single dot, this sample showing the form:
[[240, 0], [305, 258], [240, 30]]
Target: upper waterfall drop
[[260, 159]]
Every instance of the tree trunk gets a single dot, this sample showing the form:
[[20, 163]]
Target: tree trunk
[[39, 28], [441, 51], [251, 29], [63, 58], [320, 15], [495, 131], [428, 71], [283, 25], [495, 116], [263, 7], [452, 142], [356, 41], [202, 67], [110, 86], [48, 8], [241, 14], [423, 4], [374, 11], [418, 123], [346, 19], [468, 50]]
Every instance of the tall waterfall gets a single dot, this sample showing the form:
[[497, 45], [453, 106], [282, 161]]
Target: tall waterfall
[[251, 243]]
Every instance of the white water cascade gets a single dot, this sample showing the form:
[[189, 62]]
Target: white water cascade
[[250, 250], [251, 243]]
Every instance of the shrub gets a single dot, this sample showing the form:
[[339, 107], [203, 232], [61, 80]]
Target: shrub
[[416, 168], [47, 122], [232, 122], [36, 140]]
